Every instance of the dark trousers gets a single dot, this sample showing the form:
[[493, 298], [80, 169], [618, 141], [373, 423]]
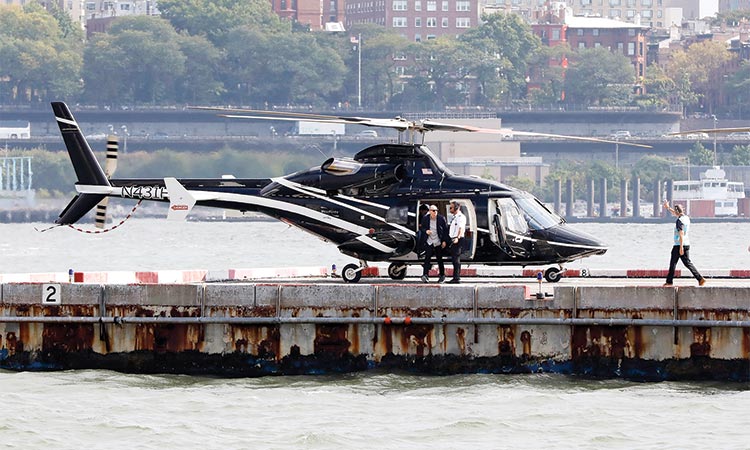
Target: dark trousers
[[456, 250], [685, 257], [438, 252]]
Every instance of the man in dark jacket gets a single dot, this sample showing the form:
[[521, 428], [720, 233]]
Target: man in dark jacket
[[435, 231]]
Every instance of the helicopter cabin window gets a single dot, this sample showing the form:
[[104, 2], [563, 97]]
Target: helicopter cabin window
[[398, 215], [511, 217]]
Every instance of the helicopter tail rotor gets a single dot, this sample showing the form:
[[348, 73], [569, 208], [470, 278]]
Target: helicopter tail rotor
[[109, 170]]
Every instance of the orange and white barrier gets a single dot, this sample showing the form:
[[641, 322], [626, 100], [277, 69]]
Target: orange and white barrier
[[199, 276]]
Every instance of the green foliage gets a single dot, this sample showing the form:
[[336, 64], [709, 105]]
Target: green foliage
[[39, 60], [599, 77], [651, 168], [139, 60], [740, 155], [700, 155], [214, 19], [525, 184]]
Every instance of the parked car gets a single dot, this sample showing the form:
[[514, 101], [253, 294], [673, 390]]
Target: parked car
[[622, 134], [366, 134], [739, 135], [696, 136]]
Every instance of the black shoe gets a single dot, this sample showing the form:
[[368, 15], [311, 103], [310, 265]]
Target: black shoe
[[425, 279], [441, 279], [453, 281]]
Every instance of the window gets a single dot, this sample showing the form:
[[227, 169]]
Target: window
[[463, 22], [630, 14], [400, 70], [90, 6], [418, 5], [620, 47], [615, 2], [595, 32], [581, 45], [647, 13], [585, 2], [647, 3], [597, 44], [431, 5], [431, 37], [417, 22], [556, 34], [631, 48], [399, 57], [399, 22], [463, 5], [417, 38], [399, 5], [445, 5], [431, 22], [631, 32], [580, 32], [614, 13], [444, 22]]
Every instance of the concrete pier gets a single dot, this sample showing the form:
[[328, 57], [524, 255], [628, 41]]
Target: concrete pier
[[279, 328]]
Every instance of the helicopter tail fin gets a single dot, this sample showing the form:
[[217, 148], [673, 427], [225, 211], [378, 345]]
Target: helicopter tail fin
[[87, 168]]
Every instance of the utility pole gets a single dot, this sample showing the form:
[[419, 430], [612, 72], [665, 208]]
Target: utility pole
[[359, 70], [716, 161]]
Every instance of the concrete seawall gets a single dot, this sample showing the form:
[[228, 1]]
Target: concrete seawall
[[255, 329]]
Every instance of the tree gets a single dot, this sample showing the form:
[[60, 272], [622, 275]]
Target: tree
[[200, 82], [281, 68], [507, 44], [740, 155], [214, 19], [597, 76], [548, 77], [659, 88], [700, 155], [139, 60], [699, 69], [37, 61], [442, 65], [738, 88]]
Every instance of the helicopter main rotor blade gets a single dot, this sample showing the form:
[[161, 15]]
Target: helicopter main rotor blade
[[397, 124], [711, 131], [576, 138]]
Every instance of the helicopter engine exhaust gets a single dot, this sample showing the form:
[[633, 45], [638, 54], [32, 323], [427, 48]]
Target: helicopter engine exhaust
[[352, 174]]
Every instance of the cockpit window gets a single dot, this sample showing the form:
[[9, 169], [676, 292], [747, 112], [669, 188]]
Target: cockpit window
[[537, 215]]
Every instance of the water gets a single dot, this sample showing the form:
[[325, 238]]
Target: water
[[102, 409]]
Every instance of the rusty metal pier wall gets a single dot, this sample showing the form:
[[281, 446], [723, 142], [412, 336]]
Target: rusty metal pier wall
[[256, 329]]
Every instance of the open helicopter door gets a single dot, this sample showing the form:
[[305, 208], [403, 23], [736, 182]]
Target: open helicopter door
[[470, 235], [508, 226]]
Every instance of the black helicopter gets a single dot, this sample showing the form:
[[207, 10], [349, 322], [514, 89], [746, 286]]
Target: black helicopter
[[367, 205]]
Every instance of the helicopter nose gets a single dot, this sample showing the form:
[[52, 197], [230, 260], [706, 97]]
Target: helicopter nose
[[571, 241]]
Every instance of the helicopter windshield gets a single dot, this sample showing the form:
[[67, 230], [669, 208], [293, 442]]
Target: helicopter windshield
[[537, 215], [436, 161]]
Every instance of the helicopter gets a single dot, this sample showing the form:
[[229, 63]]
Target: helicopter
[[367, 205]]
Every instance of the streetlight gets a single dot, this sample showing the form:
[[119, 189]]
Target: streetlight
[[124, 139], [716, 161], [617, 152]]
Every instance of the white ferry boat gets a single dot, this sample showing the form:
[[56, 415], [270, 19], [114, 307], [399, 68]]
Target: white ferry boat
[[713, 185]]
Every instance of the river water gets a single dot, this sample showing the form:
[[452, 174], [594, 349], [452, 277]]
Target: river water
[[102, 409]]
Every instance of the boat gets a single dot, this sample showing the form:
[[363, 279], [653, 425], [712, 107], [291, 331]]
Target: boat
[[713, 185]]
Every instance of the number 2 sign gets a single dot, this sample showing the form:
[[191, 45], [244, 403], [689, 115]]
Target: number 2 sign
[[51, 294]]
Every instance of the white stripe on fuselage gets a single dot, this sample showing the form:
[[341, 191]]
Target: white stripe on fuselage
[[310, 191]]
